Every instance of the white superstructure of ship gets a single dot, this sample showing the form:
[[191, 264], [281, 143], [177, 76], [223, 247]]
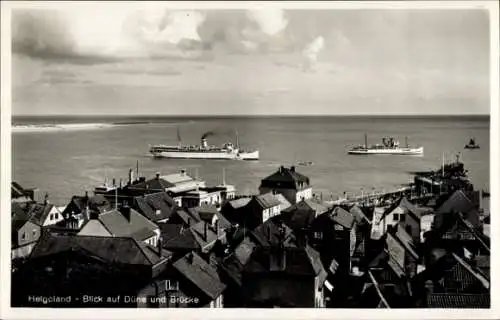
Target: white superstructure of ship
[[227, 151], [389, 146]]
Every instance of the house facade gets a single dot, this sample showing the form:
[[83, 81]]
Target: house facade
[[293, 185]]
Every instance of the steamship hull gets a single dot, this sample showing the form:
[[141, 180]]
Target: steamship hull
[[389, 151], [254, 155]]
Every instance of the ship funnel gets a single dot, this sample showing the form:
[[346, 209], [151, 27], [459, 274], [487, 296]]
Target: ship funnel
[[204, 143]]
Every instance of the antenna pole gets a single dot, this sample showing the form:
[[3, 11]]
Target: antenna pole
[[179, 137], [137, 170], [237, 140], [442, 168]]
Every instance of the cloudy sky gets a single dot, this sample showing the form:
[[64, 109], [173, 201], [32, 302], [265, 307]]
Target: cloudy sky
[[149, 59]]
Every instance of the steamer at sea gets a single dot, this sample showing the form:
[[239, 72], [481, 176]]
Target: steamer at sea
[[228, 151], [389, 146]]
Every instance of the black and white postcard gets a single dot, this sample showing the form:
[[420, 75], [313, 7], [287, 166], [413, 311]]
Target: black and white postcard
[[167, 157]]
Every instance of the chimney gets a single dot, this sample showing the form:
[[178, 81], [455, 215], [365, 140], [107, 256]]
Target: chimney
[[130, 176], [157, 175], [281, 169], [160, 246], [183, 172], [292, 168], [125, 210], [114, 182], [121, 183], [46, 199]]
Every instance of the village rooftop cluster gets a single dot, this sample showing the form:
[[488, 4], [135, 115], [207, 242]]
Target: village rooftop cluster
[[172, 241]]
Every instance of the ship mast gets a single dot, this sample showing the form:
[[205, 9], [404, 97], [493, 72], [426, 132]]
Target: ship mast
[[237, 141], [179, 137]]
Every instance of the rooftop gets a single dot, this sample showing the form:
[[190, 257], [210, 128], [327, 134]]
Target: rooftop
[[286, 178], [124, 250], [155, 206], [137, 226], [203, 275]]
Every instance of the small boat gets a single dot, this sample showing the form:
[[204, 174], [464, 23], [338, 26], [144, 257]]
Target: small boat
[[389, 146], [472, 144], [305, 163]]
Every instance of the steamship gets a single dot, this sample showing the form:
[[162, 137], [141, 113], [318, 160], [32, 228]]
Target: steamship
[[227, 151], [389, 146]]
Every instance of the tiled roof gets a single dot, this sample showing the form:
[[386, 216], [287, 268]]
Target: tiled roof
[[359, 215], [169, 231], [175, 178], [143, 234], [16, 190], [406, 206], [203, 275], [342, 217], [407, 241], [18, 213], [239, 203], [189, 217], [206, 211], [297, 261], [155, 206], [484, 282], [156, 184], [186, 240], [284, 203], [458, 300], [271, 233], [112, 249], [116, 223], [287, 177], [300, 215], [222, 222], [457, 203], [267, 200], [193, 238], [38, 212], [97, 202]]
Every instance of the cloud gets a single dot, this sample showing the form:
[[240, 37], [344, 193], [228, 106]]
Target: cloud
[[311, 52], [91, 36], [271, 21]]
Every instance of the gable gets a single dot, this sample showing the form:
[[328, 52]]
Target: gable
[[94, 227]]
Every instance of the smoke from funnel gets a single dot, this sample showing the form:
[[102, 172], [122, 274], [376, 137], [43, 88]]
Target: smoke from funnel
[[208, 134], [312, 50], [217, 131]]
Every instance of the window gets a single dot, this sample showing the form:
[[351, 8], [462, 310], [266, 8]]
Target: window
[[57, 215], [51, 217], [318, 235], [402, 217], [34, 232], [23, 236], [396, 217]]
